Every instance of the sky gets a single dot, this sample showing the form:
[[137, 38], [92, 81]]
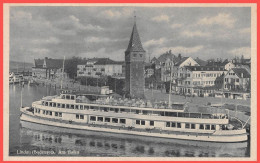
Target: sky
[[95, 31]]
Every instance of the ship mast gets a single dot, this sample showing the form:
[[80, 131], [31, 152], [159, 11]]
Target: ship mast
[[170, 91], [21, 97], [222, 91], [62, 73]]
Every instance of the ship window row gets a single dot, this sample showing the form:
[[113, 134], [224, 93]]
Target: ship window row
[[107, 119], [191, 126], [142, 122], [79, 116], [173, 124], [47, 112], [68, 97]]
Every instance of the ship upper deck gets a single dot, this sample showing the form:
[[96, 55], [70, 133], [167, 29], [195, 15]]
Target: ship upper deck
[[136, 106]]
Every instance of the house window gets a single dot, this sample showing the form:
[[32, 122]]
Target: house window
[[50, 113], [213, 127], [77, 116], [56, 114], [135, 55], [142, 122], [178, 125], [151, 123], [202, 126], [137, 122], [237, 80], [43, 112], [141, 55]]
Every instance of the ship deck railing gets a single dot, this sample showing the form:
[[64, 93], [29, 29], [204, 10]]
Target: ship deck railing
[[157, 112]]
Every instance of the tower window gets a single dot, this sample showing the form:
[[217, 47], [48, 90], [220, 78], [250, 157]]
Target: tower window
[[141, 55], [135, 55]]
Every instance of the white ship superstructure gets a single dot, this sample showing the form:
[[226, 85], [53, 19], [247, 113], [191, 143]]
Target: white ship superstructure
[[131, 116]]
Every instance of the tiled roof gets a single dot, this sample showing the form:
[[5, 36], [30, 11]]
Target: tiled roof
[[217, 64], [107, 61], [165, 56], [183, 59], [240, 71], [205, 68], [135, 42], [95, 59], [201, 62], [54, 63], [155, 60], [38, 63]]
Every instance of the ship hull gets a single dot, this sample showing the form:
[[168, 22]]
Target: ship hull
[[223, 137]]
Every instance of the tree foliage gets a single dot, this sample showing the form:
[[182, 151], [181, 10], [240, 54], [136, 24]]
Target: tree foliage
[[70, 65]]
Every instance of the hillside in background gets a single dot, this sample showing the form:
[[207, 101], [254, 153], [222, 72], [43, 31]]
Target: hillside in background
[[14, 65]]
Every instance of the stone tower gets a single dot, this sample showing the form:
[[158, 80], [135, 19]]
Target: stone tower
[[134, 70]]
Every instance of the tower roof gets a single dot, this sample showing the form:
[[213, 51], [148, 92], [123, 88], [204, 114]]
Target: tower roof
[[135, 42]]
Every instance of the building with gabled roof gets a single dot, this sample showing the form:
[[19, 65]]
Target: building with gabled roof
[[237, 79], [48, 68], [173, 65], [196, 80]]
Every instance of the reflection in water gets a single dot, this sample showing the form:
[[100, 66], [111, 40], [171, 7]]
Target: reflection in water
[[89, 143], [30, 136]]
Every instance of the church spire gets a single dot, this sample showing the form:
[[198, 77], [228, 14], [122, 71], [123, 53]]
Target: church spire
[[135, 42]]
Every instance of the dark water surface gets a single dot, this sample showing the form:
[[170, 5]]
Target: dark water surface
[[66, 142]]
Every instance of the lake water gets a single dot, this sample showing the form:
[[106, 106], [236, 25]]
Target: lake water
[[57, 140]]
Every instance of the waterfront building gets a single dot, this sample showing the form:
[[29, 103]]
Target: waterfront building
[[197, 80], [48, 68], [172, 66], [237, 83], [134, 70], [237, 79], [97, 67]]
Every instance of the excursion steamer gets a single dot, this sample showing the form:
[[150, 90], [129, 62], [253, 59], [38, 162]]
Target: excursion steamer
[[108, 114]]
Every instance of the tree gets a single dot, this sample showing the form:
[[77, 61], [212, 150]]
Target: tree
[[71, 66]]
